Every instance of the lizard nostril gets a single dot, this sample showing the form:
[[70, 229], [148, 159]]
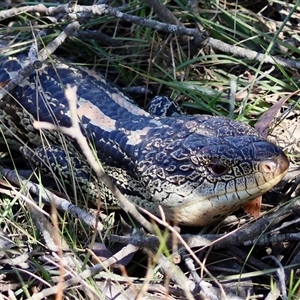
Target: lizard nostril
[[268, 166], [275, 166]]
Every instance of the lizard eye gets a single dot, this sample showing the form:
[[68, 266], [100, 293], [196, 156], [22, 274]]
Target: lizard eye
[[217, 168]]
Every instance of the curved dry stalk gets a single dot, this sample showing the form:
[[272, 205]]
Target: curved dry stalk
[[75, 132]]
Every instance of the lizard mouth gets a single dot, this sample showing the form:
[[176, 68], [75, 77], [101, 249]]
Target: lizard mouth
[[202, 211]]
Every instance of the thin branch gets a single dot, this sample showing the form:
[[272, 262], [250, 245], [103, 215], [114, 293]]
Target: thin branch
[[127, 250], [177, 276], [86, 12], [51, 198], [163, 12], [253, 55], [205, 286], [170, 28], [40, 8], [41, 57], [280, 274], [180, 240]]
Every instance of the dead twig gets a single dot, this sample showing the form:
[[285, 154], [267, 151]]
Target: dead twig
[[86, 12], [51, 198], [41, 57], [127, 250]]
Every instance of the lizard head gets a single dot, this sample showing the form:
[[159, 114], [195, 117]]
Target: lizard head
[[208, 169]]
